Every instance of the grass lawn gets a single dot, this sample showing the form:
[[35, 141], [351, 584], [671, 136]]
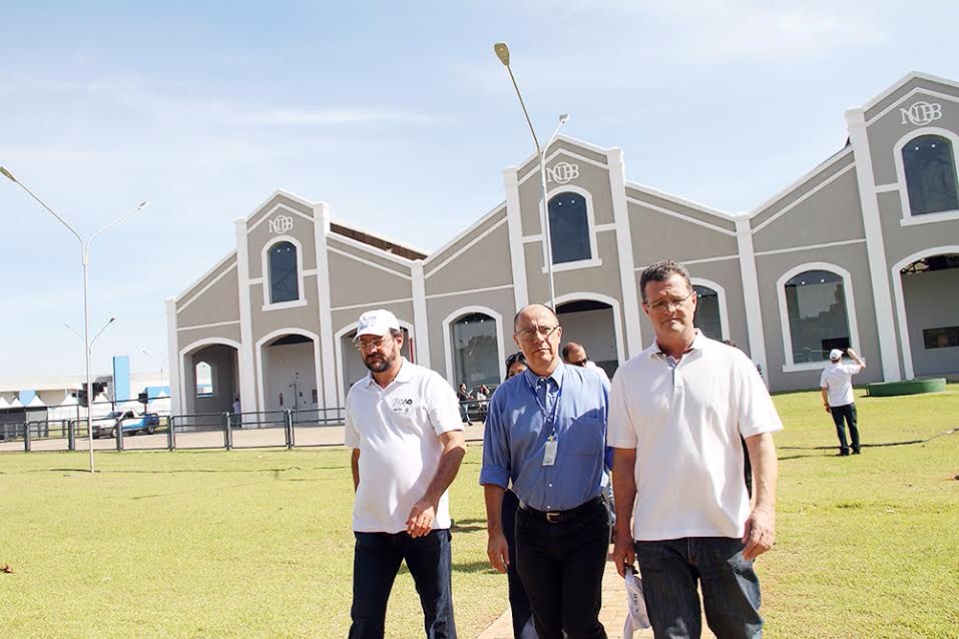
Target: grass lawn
[[257, 544]]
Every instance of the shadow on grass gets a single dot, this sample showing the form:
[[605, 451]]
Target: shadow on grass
[[182, 471], [471, 567]]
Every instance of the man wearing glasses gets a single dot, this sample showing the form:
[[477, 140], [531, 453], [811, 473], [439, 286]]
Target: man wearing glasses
[[677, 411], [545, 433], [403, 424]]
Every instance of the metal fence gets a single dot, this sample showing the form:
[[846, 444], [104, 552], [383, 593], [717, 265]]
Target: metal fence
[[270, 429]]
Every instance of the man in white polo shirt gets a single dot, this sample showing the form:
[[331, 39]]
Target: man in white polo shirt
[[403, 424], [676, 414], [836, 385]]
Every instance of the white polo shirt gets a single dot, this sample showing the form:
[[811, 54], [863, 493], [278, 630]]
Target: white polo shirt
[[397, 431], [836, 378], [684, 422]]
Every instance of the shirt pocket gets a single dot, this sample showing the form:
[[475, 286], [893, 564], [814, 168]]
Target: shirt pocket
[[587, 436]]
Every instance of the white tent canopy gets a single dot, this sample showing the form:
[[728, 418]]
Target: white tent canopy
[[3, 403], [36, 402]]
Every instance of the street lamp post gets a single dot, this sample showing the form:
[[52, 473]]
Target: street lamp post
[[84, 260], [502, 52]]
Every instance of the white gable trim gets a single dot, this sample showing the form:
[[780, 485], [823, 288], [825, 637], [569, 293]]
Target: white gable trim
[[196, 282], [680, 216], [206, 288], [802, 198], [465, 248], [499, 208], [908, 96], [370, 263]]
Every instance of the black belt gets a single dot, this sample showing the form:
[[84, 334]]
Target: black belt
[[558, 516]]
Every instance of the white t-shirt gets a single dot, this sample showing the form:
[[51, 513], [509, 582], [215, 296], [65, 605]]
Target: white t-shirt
[[397, 431], [685, 423], [837, 380]]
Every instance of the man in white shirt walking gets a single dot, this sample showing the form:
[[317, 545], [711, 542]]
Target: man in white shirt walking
[[677, 412], [403, 424], [837, 396]]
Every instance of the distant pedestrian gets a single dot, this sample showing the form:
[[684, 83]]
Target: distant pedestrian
[[522, 614], [236, 410], [838, 398], [575, 355], [407, 440]]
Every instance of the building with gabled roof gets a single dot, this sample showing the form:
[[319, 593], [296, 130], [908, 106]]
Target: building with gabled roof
[[862, 252]]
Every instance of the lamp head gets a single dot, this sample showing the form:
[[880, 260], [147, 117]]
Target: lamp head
[[564, 118], [9, 175], [502, 52]]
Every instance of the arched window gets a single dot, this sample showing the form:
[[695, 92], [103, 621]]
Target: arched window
[[930, 169], [569, 228], [708, 318], [818, 320], [475, 350], [204, 379], [284, 279]]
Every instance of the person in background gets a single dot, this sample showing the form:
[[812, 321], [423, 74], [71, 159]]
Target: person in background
[[465, 398], [837, 396], [523, 626], [575, 355]]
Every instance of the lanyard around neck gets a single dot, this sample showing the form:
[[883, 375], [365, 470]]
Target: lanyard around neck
[[549, 417]]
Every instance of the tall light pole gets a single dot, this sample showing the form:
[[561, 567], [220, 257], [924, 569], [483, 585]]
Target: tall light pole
[[155, 361], [84, 260], [502, 52]]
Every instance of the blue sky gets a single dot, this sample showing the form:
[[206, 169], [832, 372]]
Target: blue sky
[[397, 114]]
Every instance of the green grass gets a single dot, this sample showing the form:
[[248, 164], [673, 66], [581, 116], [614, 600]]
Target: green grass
[[257, 544]]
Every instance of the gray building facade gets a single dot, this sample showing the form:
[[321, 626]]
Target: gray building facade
[[863, 251]]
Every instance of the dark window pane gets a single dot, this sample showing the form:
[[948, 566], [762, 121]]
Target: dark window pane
[[475, 354], [946, 337], [818, 321], [930, 175], [569, 228], [707, 317], [284, 284]]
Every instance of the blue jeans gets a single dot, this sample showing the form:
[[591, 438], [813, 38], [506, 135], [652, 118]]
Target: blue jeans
[[376, 561], [731, 599]]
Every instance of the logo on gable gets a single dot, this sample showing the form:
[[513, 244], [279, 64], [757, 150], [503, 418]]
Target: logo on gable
[[281, 224], [562, 172], [921, 113]]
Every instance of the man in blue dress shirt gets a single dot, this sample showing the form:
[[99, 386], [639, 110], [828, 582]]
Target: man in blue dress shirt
[[545, 433]]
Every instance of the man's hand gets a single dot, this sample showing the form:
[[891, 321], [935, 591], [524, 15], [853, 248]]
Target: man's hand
[[498, 551], [760, 533], [420, 521], [828, 409], [623, 551]]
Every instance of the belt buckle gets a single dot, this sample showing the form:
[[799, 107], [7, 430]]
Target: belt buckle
[[553, 517]]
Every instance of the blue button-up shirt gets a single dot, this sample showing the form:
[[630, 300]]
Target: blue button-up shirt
[[517, 429]]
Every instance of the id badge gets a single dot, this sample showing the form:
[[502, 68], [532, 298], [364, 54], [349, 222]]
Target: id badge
[[549, 457]]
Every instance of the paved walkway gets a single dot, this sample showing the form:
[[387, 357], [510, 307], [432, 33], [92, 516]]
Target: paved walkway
[[612, 616]]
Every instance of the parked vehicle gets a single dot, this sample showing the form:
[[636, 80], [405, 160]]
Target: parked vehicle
[[130, 421]]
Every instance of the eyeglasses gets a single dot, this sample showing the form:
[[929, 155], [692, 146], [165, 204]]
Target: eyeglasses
[[375, 344], [544, 332], [669, 303]]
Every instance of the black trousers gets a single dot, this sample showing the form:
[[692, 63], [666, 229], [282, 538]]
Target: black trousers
[[523, 627], [846, 413], [561, 565]]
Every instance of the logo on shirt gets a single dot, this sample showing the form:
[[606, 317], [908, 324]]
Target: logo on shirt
[[401, 405]]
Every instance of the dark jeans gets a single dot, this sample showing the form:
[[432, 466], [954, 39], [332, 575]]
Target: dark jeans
[[523, 627], [561, 565], [847, 412], [376, 561], [731, 599]]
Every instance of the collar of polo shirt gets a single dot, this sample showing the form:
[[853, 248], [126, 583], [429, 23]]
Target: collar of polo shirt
[[697, 344], [402, 376]]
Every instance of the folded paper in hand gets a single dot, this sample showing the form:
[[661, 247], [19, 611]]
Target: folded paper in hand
[[636, 616]]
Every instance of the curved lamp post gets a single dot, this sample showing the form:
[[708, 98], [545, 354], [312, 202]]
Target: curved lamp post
[[84, 260], [502, 52]]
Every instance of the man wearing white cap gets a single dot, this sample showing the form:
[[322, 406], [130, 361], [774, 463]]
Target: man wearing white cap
[[836, 386], [403, 424]]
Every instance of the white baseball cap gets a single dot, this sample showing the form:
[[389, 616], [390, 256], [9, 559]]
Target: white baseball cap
[[378, 322], [835, 355]]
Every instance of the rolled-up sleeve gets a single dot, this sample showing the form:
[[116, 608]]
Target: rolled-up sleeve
[[496, 452]]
